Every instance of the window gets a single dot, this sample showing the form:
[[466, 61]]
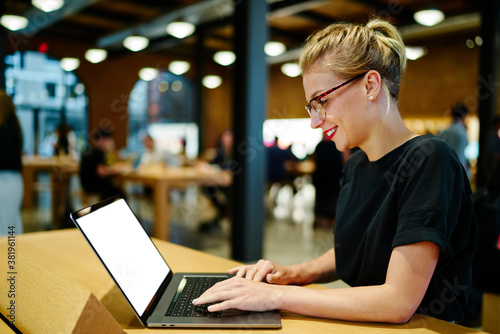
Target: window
[[45, 96], [165, 108]]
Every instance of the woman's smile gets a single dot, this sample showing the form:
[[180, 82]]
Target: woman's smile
[[330, 133]]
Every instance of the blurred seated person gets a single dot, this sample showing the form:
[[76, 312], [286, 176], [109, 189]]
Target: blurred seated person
[[65, 141], [277, 159], [326, 180], [99, 166], [456, 134], [218, 195], [155, 154]]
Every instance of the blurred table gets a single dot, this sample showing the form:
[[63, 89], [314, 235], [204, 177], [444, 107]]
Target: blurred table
[[56, 251], [161, 179], [59, 169]]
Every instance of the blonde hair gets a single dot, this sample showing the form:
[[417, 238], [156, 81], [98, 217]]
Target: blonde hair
[[348, 50]]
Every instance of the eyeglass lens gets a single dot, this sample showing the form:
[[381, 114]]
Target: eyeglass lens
[[318, 109]]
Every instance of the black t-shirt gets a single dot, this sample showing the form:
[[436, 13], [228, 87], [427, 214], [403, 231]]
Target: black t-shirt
[[11, 146], [91, 182], [417, 192]]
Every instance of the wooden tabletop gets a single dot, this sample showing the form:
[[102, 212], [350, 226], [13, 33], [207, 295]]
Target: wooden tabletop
[[178, 176], [66, 253], [162, 178]]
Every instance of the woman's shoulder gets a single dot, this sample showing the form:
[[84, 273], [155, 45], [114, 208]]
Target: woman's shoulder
[[430, 146]]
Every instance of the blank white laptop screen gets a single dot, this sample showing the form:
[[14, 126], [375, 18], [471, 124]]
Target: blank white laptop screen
[[131, 258]]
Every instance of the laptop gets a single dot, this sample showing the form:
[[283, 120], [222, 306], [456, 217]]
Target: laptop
[[159, 297]]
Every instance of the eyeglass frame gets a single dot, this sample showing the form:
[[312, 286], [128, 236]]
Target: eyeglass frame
[[318, 98]]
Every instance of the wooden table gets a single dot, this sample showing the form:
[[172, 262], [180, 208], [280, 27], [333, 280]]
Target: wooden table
[[59, 168], [65, 253], [161, 179]]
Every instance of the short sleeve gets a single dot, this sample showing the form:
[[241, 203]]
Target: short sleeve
[[430, 196]]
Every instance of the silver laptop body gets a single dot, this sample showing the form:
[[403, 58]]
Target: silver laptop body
[[144, 277]]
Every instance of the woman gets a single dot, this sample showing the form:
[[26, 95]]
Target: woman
[[405, 227], [11, 180]]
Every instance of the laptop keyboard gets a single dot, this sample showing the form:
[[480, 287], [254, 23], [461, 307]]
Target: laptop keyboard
[[191, 287]]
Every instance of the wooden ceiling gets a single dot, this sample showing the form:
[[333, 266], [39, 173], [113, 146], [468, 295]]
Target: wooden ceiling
[[104, 23]]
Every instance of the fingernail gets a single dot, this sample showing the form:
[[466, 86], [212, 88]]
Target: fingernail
[[195, 301], [210, 308]]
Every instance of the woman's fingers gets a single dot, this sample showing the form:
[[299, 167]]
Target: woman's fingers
[[236, 292]]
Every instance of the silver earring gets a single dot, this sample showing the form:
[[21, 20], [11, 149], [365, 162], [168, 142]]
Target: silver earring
[[371, 97]]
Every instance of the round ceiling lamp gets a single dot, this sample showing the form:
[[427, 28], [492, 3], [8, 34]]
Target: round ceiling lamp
[[96, 55], [212, 81], [224, 58], [274, 49], [14, 22], [148, 73], [136, 43], [291, 69], [181, 29], [179, 67], [48, 5], [415, 52], [429, 17], [69, 64]]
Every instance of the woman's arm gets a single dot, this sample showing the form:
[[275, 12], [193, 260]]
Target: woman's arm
[[408, 276], [319, 270], [104, 171]]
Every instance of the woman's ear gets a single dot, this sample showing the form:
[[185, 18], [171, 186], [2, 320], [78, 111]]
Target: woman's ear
[[373, 85]]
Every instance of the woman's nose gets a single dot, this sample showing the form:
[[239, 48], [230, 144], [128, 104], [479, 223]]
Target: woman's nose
[[316, 121]]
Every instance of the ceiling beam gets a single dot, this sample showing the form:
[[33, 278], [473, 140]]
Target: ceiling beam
[[39, 20], [214, 12], [198, 13], [388, 9], [292, 7], [449, 25]]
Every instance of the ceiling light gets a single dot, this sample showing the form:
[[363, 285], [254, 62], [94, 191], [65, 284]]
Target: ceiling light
[[179, 67], [291, 69], [479, 40], [274, 48], [224, 58], [429, 17], [176, 85], [79, 88], [136, 43], [14, 22], [148, 73], [69, 64], [96, 55], [47, 5], [180, 29], [212, 81], [415, 52]]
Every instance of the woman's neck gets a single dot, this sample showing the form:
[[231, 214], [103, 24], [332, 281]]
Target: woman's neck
[[390, 133]]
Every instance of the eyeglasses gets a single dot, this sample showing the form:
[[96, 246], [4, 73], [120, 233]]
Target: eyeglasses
[[317, 105]]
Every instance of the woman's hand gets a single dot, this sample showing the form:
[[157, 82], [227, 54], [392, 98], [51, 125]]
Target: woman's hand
[[267, 271], [242, 294]]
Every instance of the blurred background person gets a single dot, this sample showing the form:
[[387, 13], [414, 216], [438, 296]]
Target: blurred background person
[[65, 144], [11, 180], [456, 134], [218, 195], [154, 153], [99, 166], [278, 157], [326, 181]]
